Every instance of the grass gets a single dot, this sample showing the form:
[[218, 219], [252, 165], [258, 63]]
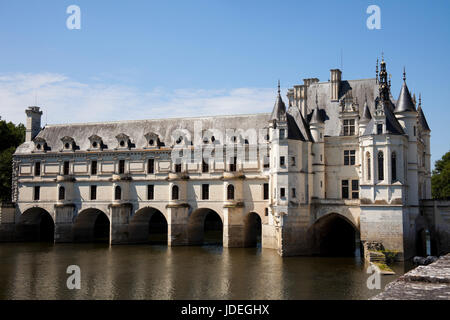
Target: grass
[[383, 267]]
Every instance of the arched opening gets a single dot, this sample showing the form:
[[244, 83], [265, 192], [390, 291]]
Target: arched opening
[[205, 227], [117, 193], [175, 193], [423, 243], [230, 192], [333, 235], [36, 224], [253, 228], [91, 225], [148, 225], [380, 166]]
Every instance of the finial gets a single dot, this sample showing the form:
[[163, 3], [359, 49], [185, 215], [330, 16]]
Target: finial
[[376, 71], [420, 99], [382, 56], [278, 86], [390, 76], [317, 101], [404, 74]]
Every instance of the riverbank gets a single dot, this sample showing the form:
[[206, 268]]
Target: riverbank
[[430, 282]]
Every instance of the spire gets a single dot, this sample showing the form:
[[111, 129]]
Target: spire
[[383, 82], [316, 116], [279, 109], [404, 102], [422, 120], [366, 116], [376, 72]]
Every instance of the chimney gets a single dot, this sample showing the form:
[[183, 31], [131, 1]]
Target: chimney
[[33, 123], [335, 76]]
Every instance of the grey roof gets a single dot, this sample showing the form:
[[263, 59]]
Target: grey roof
[[137, 129], [361, 89], [404, 102], [366, 116], [316, 116], [279, 109], [422, 120], [300, 123], [392, 124]]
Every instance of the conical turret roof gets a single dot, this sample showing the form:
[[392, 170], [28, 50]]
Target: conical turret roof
[[279, 109], [366, 116], [404, 102], [422, 120]]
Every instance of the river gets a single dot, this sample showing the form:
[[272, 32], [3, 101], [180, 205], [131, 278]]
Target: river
[[38, 271]]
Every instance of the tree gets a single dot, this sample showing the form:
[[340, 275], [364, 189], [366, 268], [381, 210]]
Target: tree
[[440, 181], [11, 137]]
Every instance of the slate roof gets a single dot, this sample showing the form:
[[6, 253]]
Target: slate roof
[[404, 102], [422, 120]]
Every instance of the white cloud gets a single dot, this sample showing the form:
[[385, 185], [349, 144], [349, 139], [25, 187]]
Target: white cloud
[[64, 100]]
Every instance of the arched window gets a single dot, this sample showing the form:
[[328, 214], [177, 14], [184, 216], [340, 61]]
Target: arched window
[[380, 166], [175, 193], [118, 193], [394, 166], [62, 193], [369, 167], [230, 192]]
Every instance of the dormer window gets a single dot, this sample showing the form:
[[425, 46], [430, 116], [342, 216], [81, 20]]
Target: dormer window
[[379, 128], [40, 144], [349, 127], [68, 143], [123, 141], [152, 140], [96, 142]]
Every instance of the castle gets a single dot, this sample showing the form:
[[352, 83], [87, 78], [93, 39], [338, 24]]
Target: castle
[[343, 164]]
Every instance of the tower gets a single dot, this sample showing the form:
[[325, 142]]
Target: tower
[[317, 126], [33, 123]]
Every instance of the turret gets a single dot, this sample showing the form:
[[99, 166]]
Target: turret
[[316, 124], [365, 118], [405, 111], [33, 123]]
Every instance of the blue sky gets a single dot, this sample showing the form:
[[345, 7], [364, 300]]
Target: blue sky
[[134, 59]]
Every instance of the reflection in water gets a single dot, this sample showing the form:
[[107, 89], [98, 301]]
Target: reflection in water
[[38, 271]]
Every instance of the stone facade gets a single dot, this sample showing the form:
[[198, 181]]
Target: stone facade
[[344, 156]]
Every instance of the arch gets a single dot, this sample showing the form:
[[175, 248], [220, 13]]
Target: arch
[[205, 226], [91, 225], [230, 192], [334, 235], [36, 224], [148, 225], [252, 230]]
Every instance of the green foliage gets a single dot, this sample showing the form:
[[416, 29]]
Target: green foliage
[[11, 136], [440, 181]]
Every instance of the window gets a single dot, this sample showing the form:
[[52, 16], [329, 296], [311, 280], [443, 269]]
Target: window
[[178, 167], [175, 192], [37, 169], [282, 134], [121, 166], [282, 192], [37, 193], [355, 189], [94, 167], [266, 212], [151, 166], [61, 193], [349, 127], [349, 157], [282, 161], [150, 192], [380, 166], [230, 192], [205, 191], [344, 189], [369, 167], [414, 131], [66, 168], [293, 192], [394, 166], [267, 161], [233, 164], [93, 192], [117, 193], [266, 191], [205, 167], [379, 128], [292, 161]]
